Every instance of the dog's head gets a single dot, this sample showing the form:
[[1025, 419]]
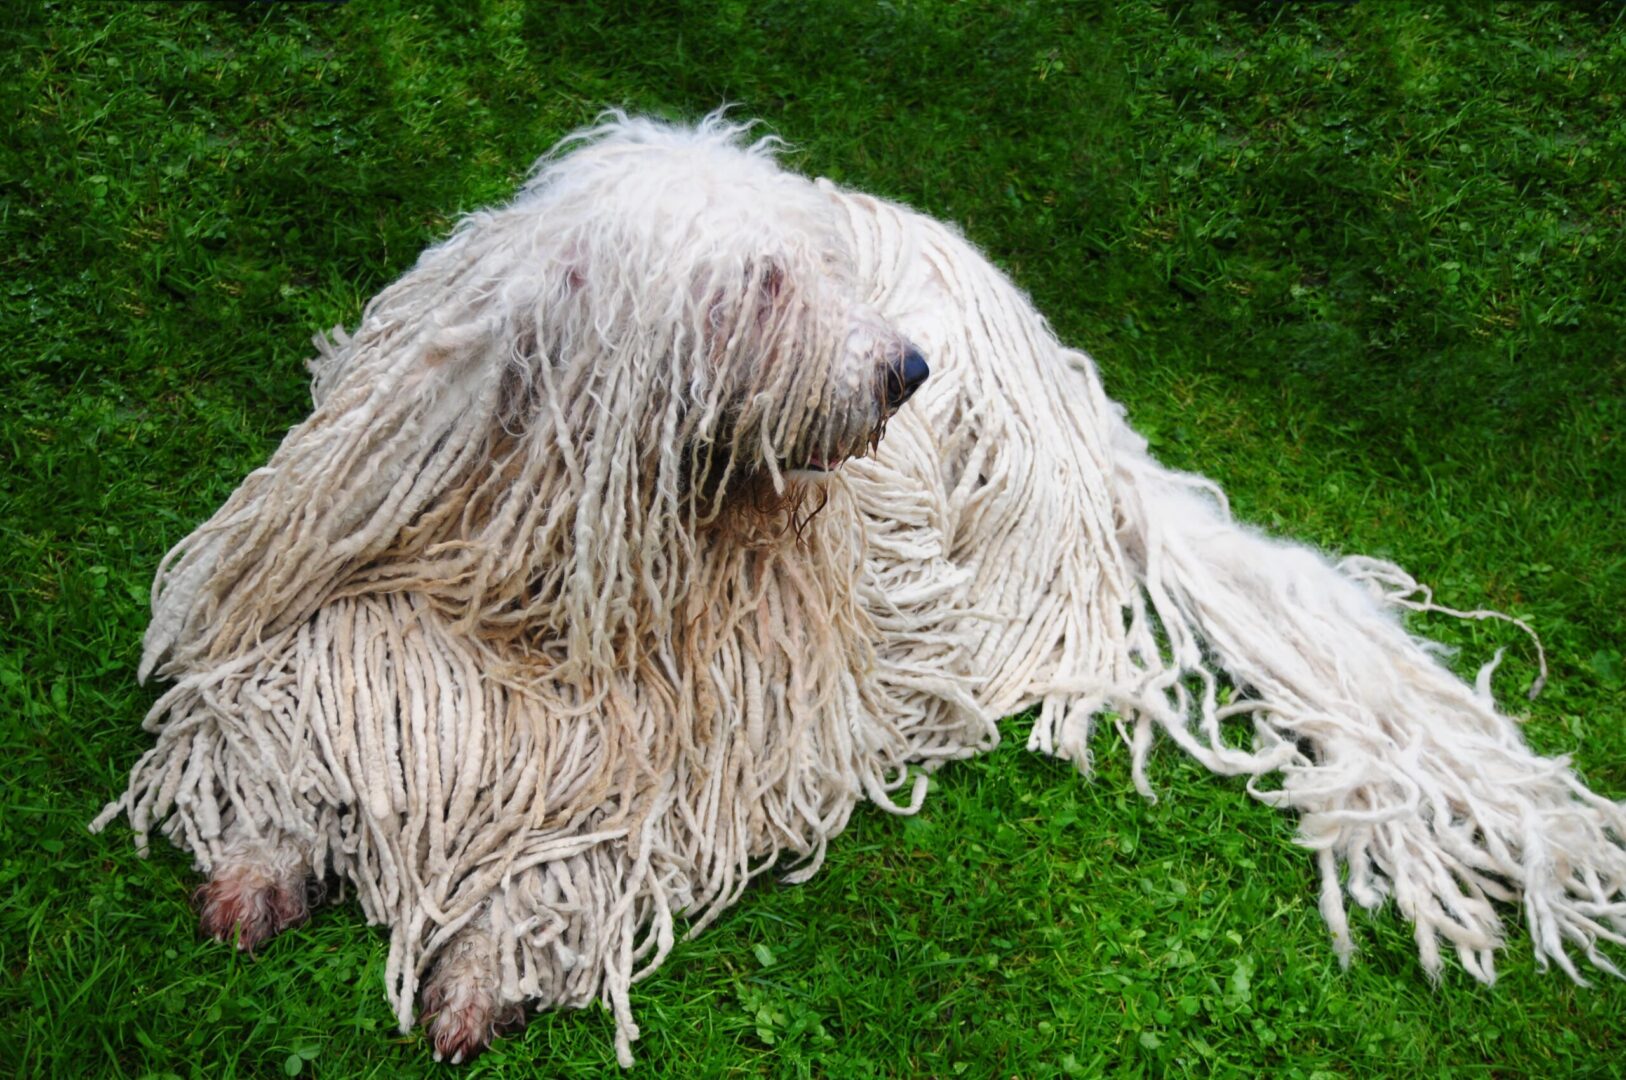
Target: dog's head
[[682, 295], [663, 327]]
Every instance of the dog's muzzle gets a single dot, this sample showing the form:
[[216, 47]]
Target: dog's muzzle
[[902, 378]]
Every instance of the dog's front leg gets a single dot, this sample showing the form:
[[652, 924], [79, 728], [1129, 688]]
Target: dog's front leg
[[462, 1005]]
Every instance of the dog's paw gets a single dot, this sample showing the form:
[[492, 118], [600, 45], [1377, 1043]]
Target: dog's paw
[[461, 1013], [246, 904]]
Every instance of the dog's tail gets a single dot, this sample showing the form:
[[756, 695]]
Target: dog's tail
[[1408, 781]]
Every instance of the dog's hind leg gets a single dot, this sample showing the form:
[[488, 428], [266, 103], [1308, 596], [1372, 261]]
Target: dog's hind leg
[[257, 889], [463, 1008]]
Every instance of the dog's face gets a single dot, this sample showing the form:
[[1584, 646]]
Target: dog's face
[[708, 311], [806, 377]]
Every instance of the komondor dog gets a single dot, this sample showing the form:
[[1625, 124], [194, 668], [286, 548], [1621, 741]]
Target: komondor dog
[[655, 519]]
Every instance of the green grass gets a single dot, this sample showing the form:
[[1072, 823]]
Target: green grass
[[1362, 264]]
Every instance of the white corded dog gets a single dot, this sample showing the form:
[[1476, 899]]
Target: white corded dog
[[612, 570]]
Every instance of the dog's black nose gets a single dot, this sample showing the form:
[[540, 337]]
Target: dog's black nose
[[903, 377]]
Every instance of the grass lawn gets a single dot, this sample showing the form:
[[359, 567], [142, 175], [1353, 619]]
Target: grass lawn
[[1362, 264]]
